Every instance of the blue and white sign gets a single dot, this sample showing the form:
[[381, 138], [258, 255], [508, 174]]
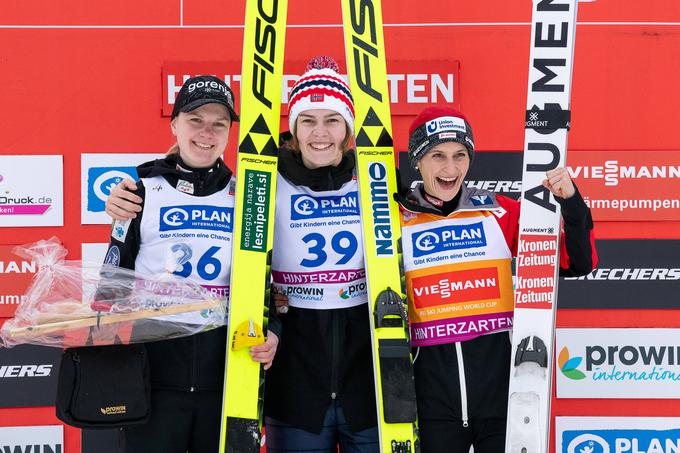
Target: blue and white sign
[[617, 434], [452, 237], [303, 207], [102, 172], [32, 438]]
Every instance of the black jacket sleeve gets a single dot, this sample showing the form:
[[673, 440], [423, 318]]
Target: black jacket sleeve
[[578, 236], [124, 243]]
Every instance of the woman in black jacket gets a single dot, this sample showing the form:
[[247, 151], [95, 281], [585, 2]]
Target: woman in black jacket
[[186, 373]]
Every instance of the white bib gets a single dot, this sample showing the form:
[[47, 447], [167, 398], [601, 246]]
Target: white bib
[[318, 258], [188, 236]]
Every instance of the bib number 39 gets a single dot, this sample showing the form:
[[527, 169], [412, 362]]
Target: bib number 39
[[343, 244]]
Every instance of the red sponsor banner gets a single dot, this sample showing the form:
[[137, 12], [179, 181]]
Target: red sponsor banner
[[629, 185], [535, 284], [457, 286], [15, 275], [412, 84]]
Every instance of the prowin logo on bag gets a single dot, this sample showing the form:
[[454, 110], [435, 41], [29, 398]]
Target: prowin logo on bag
[[113, 410]]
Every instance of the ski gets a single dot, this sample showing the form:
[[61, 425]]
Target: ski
[[545, 145], [376, 174], [261, 81]]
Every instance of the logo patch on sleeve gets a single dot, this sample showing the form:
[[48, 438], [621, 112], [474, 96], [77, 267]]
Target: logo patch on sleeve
[[113, 256], [119, 229]]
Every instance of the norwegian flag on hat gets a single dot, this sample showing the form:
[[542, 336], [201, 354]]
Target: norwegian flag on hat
[[321, 87]]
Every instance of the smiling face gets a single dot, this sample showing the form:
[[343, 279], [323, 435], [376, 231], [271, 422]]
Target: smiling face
[[320, 134], [444, 168], [202, 134]]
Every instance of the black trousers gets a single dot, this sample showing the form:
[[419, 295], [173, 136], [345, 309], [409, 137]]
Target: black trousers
[[486, 435], [180, 422]]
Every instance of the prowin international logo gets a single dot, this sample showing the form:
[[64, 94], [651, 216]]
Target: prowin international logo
[[353, 291], [452, 237], [196, 217], [568, 365], [623, 363], [612, 172], [308, 207]]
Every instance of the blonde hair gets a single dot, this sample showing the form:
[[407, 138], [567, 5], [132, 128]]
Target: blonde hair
[[174, 149]]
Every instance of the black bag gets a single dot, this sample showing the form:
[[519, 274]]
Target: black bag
[[104, 386]]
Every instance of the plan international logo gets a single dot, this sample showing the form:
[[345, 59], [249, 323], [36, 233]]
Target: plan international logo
[[196, 217], [303, 207], [451, 237]]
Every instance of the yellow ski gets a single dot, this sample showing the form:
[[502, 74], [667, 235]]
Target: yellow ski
[[261, 81], [393, 369]]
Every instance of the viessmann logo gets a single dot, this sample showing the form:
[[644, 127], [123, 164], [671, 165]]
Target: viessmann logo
[[612, 172]]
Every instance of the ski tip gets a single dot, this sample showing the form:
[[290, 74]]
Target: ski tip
[[322, 62]]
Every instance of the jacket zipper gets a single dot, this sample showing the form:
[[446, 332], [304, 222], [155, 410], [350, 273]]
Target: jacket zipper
[[335, 355], [463, 385]]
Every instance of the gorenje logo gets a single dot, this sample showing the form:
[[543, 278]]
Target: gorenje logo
[[447, 238], [380, 199], [100, 181], [568, 365], [308, 207], [611, 172], [196, 217], [19, 371]]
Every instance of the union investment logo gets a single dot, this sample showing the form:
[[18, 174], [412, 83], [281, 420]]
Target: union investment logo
[[569, 365]]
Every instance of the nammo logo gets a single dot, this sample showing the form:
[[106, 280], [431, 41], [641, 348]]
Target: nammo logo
[[569, 365], [588, 443], [305, 205], [175, 217]]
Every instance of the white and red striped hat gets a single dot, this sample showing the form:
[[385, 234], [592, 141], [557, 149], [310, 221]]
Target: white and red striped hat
[[321, 87]]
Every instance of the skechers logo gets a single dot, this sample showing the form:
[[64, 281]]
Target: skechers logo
[[308, 207], [448, 238], [11, 371], [196, 217]]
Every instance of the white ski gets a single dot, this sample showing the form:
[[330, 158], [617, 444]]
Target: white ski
[[545, 146]]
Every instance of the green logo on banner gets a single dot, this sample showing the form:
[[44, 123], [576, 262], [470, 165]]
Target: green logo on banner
[[255, 211]]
